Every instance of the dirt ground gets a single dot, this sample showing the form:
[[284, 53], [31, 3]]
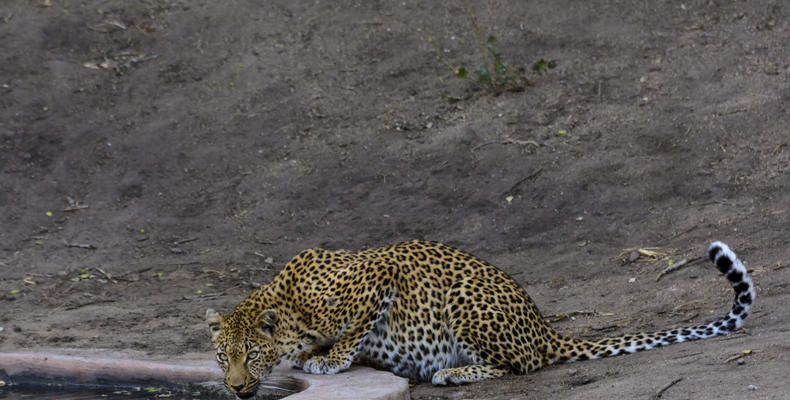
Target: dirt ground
[[158, 157]]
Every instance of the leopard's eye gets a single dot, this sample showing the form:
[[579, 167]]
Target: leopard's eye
[[252, 355], [222, 357]]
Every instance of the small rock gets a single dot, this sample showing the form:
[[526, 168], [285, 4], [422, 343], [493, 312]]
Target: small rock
[[572, 372], [633, 256], [752, 387], [741, 361]]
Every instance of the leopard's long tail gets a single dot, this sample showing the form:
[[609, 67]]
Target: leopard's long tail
[[733, 269]]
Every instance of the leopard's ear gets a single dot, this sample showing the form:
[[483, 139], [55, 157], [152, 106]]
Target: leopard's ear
[[267, 319], [213, 319]]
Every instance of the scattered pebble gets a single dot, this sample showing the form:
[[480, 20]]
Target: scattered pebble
[[752, 387]]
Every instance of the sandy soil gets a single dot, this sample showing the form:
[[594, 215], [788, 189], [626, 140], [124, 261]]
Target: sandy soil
[[158, 157]]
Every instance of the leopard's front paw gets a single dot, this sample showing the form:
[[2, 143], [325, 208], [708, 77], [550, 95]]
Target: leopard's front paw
[[322, 365], [299, 360]]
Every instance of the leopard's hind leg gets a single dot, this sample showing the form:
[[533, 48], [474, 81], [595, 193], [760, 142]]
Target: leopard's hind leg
[[497, 330]]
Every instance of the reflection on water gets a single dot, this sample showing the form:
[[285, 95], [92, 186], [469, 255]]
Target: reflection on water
[[60, 392]]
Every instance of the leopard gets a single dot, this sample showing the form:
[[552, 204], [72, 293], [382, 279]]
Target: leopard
[[423, 310]]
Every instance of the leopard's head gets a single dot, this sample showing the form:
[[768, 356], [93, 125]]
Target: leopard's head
[[245, 348]]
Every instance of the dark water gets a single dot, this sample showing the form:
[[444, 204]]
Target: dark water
[[60, 392], [36, 387], [93, 392]]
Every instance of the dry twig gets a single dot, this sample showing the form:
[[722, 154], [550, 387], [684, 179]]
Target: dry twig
[[210, 295], [779, 146], [182, 241], [646, 253], [78, 245], [665, 388], [676, 266], [522, 180], [89, 303], [739, 356], [106, 275], [571, 314], [521, 142]]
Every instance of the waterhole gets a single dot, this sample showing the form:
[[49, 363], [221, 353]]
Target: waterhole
[[108, 392], [52, 376]]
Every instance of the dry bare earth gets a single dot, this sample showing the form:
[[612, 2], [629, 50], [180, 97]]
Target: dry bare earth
[[211, 141]]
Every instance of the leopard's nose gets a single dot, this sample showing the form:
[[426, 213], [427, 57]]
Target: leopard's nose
[[236, 388]]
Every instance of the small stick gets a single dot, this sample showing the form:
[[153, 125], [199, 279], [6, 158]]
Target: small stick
[[735, 357], [521, 142], [182, 241], [677, 266], [35, 274], [75, 207], [481, 145], [688, 355], [599, 90], [741, 355], [106, 275], [81, 246], [210, 295], [528, 177], [665, 388], [779, 146], [571, 314], [90, 303]]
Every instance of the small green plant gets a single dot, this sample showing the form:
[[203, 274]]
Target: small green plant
[[494, 73]]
